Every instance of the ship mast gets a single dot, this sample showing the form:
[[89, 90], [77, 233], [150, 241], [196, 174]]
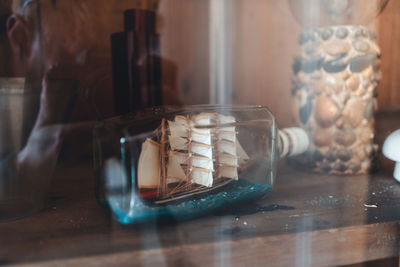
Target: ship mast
[[190, 159], [163, 156], [216, 118]]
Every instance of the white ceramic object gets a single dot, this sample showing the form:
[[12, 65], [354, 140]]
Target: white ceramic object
[[391, 150]]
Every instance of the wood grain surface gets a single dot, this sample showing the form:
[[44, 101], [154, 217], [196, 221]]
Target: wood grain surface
[[309, 219], [389, 41]]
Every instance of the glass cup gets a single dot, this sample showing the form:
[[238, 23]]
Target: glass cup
[[17, 198]]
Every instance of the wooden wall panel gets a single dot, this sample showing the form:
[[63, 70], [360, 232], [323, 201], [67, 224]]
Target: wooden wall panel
[[265, 42], [184, 30], [389, 41]]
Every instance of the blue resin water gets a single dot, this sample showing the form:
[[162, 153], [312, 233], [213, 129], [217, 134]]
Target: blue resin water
[[139, 211]]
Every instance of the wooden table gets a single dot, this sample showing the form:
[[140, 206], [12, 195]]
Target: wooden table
[[309, 219]]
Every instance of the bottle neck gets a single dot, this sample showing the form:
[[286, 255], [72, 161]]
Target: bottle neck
[[293, 141]]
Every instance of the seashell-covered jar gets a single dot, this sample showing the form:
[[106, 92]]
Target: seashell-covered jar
[[335, 90]]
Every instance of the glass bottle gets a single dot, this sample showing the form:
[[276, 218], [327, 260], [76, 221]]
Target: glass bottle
[[182, 163]]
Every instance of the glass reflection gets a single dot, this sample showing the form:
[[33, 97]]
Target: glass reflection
[[63, 50]]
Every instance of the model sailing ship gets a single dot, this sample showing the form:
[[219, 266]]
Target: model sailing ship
[[191, 155]]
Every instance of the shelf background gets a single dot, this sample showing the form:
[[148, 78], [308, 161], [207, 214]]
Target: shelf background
[[264, 43]]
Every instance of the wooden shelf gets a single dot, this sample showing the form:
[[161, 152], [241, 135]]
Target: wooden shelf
[[308, 218]]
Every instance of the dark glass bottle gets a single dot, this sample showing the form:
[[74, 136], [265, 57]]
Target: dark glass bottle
[[136, 63]]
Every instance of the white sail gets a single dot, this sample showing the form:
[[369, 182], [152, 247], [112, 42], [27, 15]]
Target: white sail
[[195, 150], [227, 136], [202, 162], [202, 150], [182, 120], [241, 153], [226, 119], [197, 129], [175, 173], [177, 129], [227, 171], [226, 147], [149, 165], [198, 148], [226, 159], [202, 119], [178, 143], [200, 138], [184, 159], [181, 158], [202, 177]]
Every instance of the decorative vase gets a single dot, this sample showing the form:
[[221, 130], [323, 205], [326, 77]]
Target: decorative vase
[[335, 79], [335, 90]]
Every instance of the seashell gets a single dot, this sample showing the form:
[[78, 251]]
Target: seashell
[[369, 150], [337, 48], [296, 67], [325, 167], [364, 32], [326, 111], [336, 65], [316, 75], [354, 167], [344, 137], [369, 110], [357, 32], [317, 156], [326, 33], [340, 123], [305, 111], [365, 166], [360, 63], [359, 154], [311, 48], [364, 122], [365, 83], [313, 64], [353, 112], [346, 75], [345, 97], [361, 46], [339, 167], [331, 156], [367, 73], [305, 37], [344, 155], [360, 92], [320, 87], [307, 66], [353, 83], [366, 135], [322, 137], [342, 33], [335, 84]]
